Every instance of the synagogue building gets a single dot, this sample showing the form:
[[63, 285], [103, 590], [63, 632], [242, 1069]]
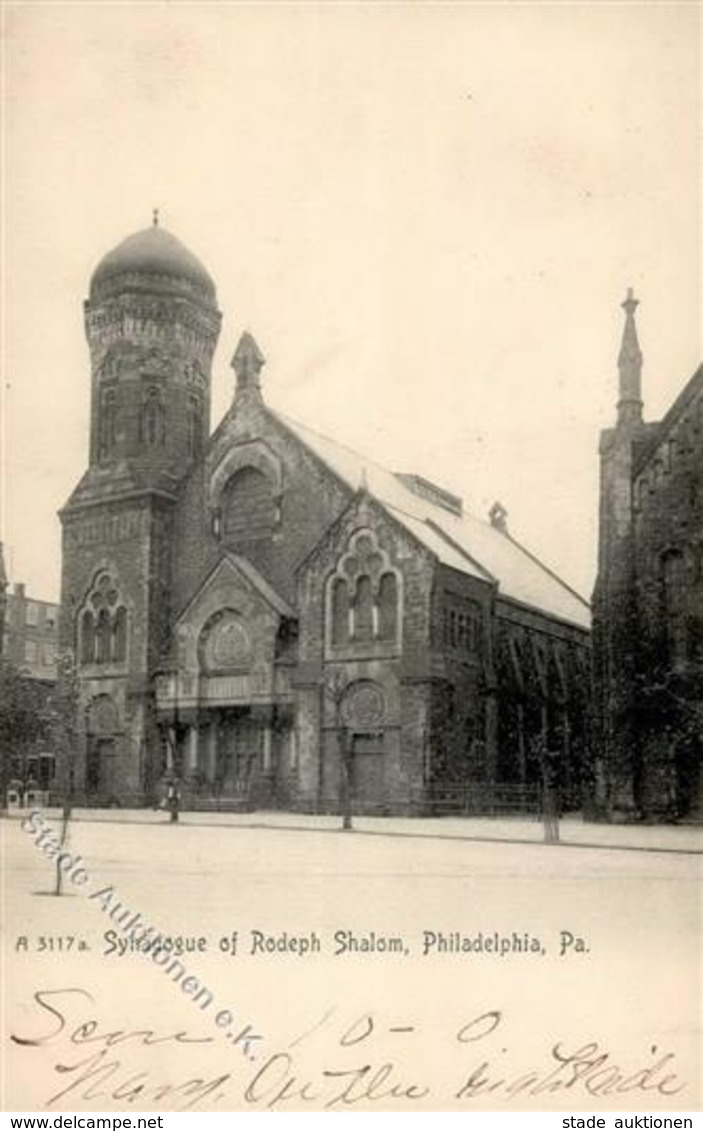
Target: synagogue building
[[253, 609]]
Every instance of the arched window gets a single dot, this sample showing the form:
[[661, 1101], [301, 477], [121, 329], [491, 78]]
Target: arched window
[[340, 611], [102, 626], [461, 631], [388, 607], [107, 423], [87, 638], [363, 609], [119, 635], [102, 637], [195, 426], [249, 510], [153, 418]]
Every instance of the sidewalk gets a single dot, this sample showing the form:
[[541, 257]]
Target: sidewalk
[[574, 832]]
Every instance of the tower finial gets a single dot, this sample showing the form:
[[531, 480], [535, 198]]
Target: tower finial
[[498, 517], [630, 367], [631, 303], [155, 218]]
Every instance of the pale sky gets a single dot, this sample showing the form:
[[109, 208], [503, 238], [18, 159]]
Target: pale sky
[[427, 215]]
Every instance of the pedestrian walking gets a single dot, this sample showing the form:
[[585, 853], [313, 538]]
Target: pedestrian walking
[[173, 801]]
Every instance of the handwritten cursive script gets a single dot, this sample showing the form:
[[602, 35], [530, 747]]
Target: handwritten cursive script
[[334, 1064]]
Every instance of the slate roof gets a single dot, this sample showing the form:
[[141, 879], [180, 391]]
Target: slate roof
[[464, 542]]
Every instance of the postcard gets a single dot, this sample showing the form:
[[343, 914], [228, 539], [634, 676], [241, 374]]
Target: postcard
[[352, 420]]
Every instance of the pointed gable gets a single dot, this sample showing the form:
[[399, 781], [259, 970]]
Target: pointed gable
[[233, 580], [456, 537]]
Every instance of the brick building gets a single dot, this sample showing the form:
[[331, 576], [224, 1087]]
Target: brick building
[[246, 605], [30, 634], [648, 599], [28, 643]]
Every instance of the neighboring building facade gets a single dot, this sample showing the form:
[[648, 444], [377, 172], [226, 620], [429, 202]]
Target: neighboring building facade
[[30, 634], [648, 599], [253, 610], [28, 643]]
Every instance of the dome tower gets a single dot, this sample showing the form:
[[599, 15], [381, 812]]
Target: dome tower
[[152, 324]]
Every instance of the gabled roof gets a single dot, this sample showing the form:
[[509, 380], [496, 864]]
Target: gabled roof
[[462, 541], [258, 583], [658, 431]]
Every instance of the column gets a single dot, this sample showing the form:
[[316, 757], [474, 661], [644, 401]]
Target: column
[[292, 747], [491, 736], [522, 760], [170, 744], [211, 751], [192, 750], [567, 776], [267, 761]]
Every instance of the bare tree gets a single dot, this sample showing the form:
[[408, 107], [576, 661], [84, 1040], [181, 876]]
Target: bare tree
[[63, 726], [335, 687]]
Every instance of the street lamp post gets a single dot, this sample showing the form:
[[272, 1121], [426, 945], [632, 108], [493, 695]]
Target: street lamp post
[[172, 745]]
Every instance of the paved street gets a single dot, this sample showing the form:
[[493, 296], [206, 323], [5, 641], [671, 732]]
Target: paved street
[[380, 947]]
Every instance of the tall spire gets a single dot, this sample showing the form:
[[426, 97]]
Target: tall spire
[[630, 367]]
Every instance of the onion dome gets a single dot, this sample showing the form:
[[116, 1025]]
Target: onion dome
[[152, 260]]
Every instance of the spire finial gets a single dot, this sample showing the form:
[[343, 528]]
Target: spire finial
[[630, 366], [631, 303], [155, 218], [247, 363]]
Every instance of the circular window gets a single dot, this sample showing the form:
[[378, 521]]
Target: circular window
[[364, 705], [228, 644]]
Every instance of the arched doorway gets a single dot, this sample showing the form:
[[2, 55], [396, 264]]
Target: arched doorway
[[103, 742], [363, 713]]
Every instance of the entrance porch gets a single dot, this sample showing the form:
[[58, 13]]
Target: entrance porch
[[233, 756]]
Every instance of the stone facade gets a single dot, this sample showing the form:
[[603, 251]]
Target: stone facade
[[648, 600], [265, 616]]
